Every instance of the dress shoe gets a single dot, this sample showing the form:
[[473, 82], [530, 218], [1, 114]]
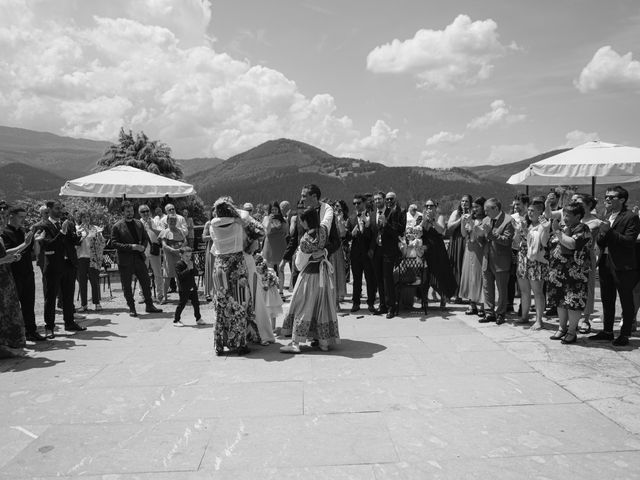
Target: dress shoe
[[481, 313], [133, 313], [48, 333], [372, 309], [559, 335], [35, 337], [621, 341], [602, 336], [152, 309], [551, 312], [569, 338], [471, 311], [499, 319], [355, 308], [74, 327], [391, 314], [381, 311], [487, 319]]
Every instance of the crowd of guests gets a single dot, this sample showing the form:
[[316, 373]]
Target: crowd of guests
[[546, 252]]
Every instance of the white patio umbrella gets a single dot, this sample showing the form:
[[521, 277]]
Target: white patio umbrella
[[592, 162], [126, 181]]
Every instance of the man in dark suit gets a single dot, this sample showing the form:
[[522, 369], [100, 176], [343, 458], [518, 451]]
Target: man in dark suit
[[58, 241], [496, 263], [22, 270], [359, 232], [387, 228], [130, 239], [617, 267]]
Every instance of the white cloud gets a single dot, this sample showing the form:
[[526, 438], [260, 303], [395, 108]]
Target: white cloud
[[461, 54], [87, 68], [511, 153], [500, 113], [444, 137], [608, 69], [380, 146], [578, 137]]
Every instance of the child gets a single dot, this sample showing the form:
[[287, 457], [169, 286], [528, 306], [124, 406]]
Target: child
[[269, 282], [187, 288]]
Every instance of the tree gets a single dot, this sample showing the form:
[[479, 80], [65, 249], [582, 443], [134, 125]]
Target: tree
[[140, 152]]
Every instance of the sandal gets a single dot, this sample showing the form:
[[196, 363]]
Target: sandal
[[471, 311], [586, 327]]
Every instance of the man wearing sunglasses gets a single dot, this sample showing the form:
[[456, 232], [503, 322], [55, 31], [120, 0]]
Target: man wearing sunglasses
[[181, 223], [617, 267], [389, 225], [359, 232]]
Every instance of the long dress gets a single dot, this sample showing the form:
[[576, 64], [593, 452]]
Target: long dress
[[441, 276], [312, 313], [456, 250], [274, 240], [208, 260], [262, 317], [235, 317], [471, 282], [11, 322], [589, 308], [568, 277], [338, 264]]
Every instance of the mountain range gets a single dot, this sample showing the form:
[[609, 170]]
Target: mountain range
[[36, 164]]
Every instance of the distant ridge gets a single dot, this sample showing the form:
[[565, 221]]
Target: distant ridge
[[18, 180]]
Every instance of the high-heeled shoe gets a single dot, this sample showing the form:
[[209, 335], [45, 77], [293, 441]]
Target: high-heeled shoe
[[569, 338], [559, 335]]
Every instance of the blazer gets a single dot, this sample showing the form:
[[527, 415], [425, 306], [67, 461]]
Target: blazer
[[57, 249], [121, 239], [361, 242], [498, 252], [391, 232], [620, 239]]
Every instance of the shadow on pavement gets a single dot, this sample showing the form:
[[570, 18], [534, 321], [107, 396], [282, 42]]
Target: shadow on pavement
[[29, 363], [355, 349]]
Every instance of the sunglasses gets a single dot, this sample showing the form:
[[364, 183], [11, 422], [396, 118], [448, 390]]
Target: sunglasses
[[357, 203], [610, 197], [389, 199], [145, 211], [430, 206]]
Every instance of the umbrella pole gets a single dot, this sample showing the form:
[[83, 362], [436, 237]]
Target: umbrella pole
[[593, 187], [526, 189]]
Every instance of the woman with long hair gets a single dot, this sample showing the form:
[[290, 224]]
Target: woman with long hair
[[337, 258], [312, 313], [275, 243], [208, 258], [456, 249], [235, 317]]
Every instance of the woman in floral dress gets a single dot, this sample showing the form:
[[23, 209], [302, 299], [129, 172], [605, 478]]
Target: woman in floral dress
[[569, 265], [235, 317], [532, 236], [312, 314], [12, 336]]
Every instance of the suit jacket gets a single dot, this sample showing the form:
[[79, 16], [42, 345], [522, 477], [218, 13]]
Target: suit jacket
[[57, 248], [390, 233], [498, 252], [361, 242], [620, 239], [327, 220], [121, 240]]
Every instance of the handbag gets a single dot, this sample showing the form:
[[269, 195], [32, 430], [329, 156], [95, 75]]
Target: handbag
[[154, 249]]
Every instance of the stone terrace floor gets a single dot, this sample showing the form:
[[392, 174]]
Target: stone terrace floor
[[414, 397]]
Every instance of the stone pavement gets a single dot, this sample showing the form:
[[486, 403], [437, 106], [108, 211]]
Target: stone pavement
[[414, 397]]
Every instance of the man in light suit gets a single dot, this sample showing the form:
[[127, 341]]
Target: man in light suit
[[130, 239], [617, 267], [310, 196], [496, 263]]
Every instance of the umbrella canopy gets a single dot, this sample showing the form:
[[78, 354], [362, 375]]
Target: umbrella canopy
[[123, 180], [604, 162]]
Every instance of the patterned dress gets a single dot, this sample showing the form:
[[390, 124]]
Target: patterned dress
[[569, 270], [528, 268], [312, 314], [11, 323]]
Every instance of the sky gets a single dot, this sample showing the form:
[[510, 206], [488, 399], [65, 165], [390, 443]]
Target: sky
[[408, 82]]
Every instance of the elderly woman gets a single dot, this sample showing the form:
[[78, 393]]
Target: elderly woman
[[235, 317], [90, 253], [532, 236], [12, 334], [569, 266], [173, 241]]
